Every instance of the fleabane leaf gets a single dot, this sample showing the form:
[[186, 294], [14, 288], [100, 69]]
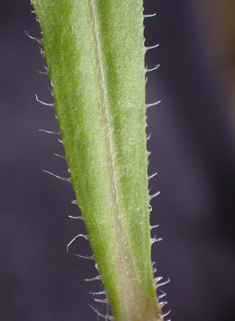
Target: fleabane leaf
[[95, 51]]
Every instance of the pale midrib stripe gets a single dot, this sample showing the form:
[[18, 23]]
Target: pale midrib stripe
[[104, 102], [122, 249]]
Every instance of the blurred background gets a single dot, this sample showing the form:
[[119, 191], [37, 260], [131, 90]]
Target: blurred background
[[193, 151]]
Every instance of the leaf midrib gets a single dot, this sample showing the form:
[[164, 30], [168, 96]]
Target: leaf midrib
[[119, 227]]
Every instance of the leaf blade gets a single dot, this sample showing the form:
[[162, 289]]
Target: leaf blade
[[95, 56]]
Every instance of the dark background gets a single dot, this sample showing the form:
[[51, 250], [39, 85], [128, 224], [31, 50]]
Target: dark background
[[193, 151]]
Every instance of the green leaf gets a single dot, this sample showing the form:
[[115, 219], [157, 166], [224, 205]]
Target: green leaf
[[95, 51]]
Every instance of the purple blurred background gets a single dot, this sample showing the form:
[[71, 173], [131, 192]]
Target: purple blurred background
[[193, 151]]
